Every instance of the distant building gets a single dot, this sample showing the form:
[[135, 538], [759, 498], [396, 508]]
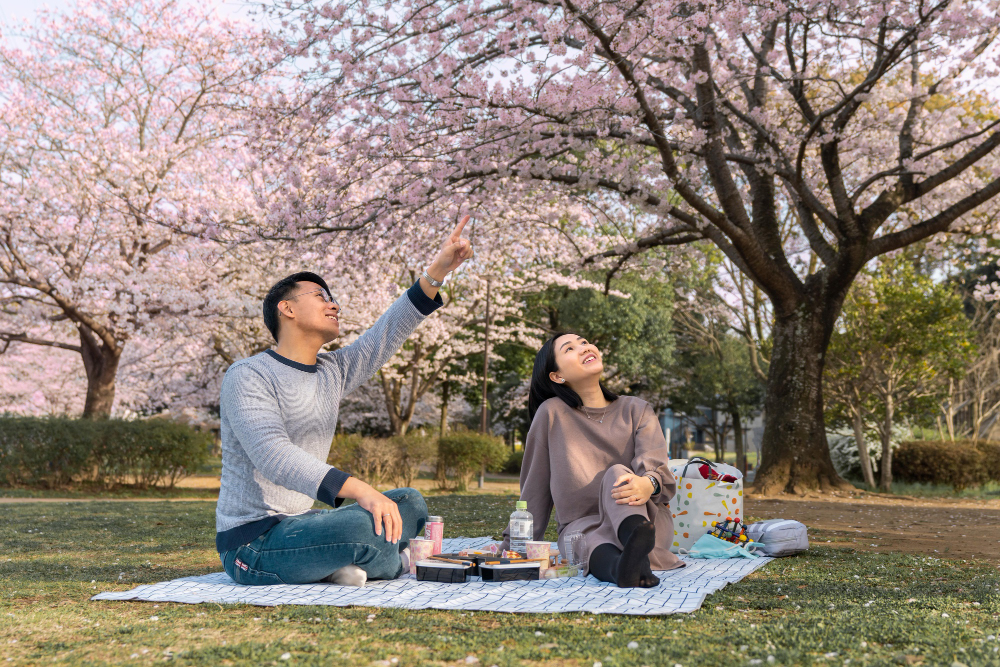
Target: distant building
[[694, 432]]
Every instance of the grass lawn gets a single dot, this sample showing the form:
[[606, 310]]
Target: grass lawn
[[828, 607]]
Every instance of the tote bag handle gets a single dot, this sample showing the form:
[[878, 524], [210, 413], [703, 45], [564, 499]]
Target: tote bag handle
[[692, 460]]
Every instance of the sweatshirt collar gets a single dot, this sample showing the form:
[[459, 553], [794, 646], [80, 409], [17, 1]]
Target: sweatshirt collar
[[307, 368]]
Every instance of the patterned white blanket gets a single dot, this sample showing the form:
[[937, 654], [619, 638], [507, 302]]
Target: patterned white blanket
[[680, 591]]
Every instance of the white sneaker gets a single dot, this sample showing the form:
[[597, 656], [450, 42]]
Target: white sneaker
[[404, 556], [349, 575]]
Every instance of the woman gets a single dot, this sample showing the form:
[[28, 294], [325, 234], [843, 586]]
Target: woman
[[601, 461]]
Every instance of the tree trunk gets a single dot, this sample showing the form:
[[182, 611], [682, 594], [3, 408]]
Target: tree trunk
[[950, 415], [101, 365], [885, 468], [866, 460], [741, 454], [445, 396], [391, 392], [795, 456]]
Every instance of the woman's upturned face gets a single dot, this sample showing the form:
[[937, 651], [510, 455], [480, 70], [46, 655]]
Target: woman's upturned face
[[577, 360]]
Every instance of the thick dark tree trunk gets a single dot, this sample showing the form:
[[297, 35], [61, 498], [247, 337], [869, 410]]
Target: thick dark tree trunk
[[795, 457], [101, 363]]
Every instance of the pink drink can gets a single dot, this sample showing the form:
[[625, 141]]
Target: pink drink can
[[434, 530]]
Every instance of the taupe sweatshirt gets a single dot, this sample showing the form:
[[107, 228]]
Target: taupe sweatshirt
[[571, 457]]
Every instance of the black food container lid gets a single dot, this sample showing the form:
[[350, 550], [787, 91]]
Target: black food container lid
[[445, 573]]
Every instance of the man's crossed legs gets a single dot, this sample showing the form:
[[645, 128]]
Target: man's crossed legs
[[308, 548]]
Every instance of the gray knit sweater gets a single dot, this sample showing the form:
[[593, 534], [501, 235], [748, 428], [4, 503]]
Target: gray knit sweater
[[278, 419]]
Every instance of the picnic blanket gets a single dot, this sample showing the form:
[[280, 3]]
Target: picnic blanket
[[680, 591]]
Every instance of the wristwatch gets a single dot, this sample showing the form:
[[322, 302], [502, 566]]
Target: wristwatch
[[656, 484], [434, 283]]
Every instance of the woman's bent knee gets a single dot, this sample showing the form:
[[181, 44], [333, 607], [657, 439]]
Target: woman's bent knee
[[612, 474]]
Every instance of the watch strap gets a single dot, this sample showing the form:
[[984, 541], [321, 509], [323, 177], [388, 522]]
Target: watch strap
[[656, 484]]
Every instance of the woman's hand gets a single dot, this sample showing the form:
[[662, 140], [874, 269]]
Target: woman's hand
[[632, 489]]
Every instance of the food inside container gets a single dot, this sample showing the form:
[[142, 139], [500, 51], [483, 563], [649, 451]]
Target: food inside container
[[497, 571], [441, 572], [477, 558]]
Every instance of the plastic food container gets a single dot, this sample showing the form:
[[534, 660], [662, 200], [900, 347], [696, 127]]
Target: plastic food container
[[509, 571], [444, 573], [476, 559]]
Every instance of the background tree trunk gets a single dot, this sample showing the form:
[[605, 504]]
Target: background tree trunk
[[859, 439], [445, 396], [795, 456], [741, 454], [101, 364], [885, 468]]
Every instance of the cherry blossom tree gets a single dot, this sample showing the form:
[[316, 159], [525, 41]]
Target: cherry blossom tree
[[118, 159], [867, 124]]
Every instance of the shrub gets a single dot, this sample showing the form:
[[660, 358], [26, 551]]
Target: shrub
[[513, 464], [395, 461], [991, 450], [462, 454], [46, 452], [960, 464], [412, 451], [343, 450], [51, 452], [153, 452], [844, 449]]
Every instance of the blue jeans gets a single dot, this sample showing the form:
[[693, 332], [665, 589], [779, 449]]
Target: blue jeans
[[305, 549]]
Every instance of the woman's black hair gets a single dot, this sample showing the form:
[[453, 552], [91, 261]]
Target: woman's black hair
[[543, 388]]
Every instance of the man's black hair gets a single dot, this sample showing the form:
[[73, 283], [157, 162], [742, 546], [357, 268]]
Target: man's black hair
[[280, 291], [543, 388]]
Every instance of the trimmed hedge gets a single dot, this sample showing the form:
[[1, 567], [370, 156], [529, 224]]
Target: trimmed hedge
[[463, 453], [393, 461], [961, 464], [51, 452]]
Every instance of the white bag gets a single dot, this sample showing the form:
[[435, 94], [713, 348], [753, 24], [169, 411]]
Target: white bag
[[778, 537], [699, 502]]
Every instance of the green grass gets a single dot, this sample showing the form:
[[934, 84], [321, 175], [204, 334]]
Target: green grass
[[125, 491], [873, 609]]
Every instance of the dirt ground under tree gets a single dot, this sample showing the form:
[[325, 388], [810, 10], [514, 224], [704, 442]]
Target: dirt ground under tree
[[939, 527]]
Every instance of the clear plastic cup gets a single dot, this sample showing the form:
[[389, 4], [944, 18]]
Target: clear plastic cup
[[575, 548]]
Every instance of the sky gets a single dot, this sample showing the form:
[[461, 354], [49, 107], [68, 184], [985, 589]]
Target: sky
[[16, 10]]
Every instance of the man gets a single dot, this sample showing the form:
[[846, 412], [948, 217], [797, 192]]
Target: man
[[279, 412]]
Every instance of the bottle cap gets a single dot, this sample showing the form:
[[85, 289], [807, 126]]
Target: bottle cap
[[521, 505], [435, 519]]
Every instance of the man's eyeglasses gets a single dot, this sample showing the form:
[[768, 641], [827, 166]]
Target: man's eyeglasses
[[323, 294]]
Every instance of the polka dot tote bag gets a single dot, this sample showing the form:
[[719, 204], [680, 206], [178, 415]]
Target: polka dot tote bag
[[701, 501]]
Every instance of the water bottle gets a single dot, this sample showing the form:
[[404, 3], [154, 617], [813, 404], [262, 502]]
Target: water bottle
[[522, 527]]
